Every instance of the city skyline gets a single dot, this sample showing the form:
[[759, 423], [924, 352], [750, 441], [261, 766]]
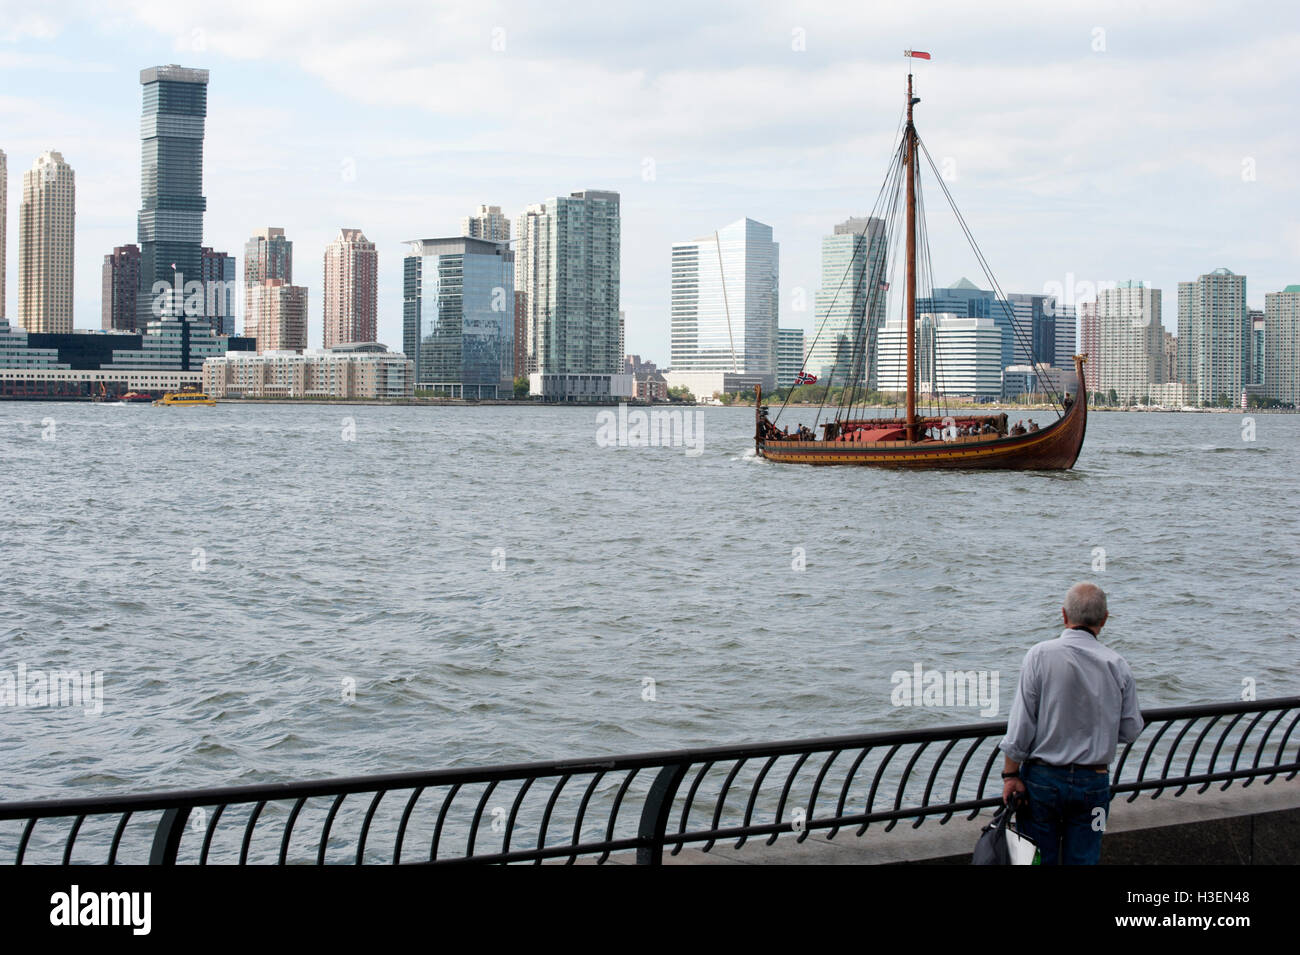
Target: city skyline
[[1034, 145]]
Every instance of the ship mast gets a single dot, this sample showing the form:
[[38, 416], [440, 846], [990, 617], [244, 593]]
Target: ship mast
[[909, 160]]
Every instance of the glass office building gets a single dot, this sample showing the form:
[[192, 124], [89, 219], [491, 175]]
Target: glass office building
[[171, 174], [850, 304], [458, 316], [725, 301]]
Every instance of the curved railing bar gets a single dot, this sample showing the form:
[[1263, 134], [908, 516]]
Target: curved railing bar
[[514, 814], [1196, 747], [902, 785], [816, 790], [248, 831], [1214, 757], [478, 816], [117, 837], [753, 797], [546, 816], [1236, 755], [582, 814], [208, 831], [288, 828], [690, 798], [929, 783], [613, 813], [722, 799], [442, 817], [401, 826], [875, 783], [785, 793], [329, 824]]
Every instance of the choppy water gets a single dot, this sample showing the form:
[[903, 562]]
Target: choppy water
[[230, 569]]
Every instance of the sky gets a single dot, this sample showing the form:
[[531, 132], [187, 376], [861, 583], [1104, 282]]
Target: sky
[[1083, 142]]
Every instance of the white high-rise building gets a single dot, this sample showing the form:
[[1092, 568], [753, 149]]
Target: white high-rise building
[[1130, 353], [725, 300], [1214, 337], [955, 355], [567, 263], [789, 356], [46, 229], [850, 305], [1282, 345], [487, 223]]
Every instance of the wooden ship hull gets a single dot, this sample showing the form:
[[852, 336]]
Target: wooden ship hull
[[1054, 447]]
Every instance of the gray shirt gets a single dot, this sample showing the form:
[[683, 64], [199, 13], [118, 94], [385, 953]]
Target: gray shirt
[[1076, 701]]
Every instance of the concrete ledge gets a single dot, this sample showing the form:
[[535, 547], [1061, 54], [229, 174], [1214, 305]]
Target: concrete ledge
[[1252, 825]]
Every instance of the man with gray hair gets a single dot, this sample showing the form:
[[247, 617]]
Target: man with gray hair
[[1076, 702]]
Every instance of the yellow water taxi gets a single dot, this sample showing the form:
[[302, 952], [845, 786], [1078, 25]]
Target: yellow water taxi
[[185, 398]]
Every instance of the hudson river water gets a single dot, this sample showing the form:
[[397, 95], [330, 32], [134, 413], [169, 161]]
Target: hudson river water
[[492, 585]]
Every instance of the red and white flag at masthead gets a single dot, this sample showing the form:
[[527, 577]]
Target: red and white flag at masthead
[[916, 54]]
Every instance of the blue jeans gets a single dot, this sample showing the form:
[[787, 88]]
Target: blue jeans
[[1067, 812]]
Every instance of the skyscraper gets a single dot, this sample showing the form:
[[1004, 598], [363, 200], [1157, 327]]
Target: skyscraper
[[567, 264], [487, 223], [4, 226], [1214, 337], [268, 256], [850, 305], [458, 316], [1130, 354], [1282, 345], [278, 316], [46, 229], [725, 299], [171, 184], [120, 289], [351, 288], [217, 273]]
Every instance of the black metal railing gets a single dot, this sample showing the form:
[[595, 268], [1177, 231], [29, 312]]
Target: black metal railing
[[571, 810]]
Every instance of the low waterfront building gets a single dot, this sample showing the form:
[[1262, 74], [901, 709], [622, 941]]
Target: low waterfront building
[[355, 370], [168, 357], [704, 384], [580, 388], [1042, 380], [1170, 394]]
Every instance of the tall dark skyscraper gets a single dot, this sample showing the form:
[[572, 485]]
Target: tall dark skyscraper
[[171, 174]]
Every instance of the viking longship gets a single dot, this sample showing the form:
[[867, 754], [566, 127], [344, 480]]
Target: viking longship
[[939, 438]]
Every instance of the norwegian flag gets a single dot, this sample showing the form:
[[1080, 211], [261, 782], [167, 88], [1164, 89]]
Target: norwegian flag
[[803, 378], [916, 54]]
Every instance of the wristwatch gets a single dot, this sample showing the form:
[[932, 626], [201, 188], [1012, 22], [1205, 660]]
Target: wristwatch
[[1015, 775]]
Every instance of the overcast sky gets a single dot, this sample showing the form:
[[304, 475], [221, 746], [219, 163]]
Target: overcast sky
[[1104, 141]]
